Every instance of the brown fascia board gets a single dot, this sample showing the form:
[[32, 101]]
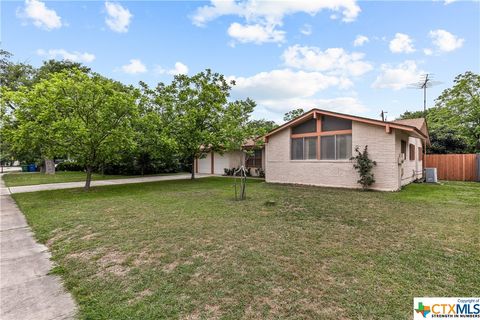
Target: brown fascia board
[[314, 111]]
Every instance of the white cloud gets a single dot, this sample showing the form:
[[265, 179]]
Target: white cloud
[[63, 54], [135, 66], [445, 41], [285, 83], [401, 43], [179, 68], [399, 76], [264, 17], [349, 105], [306, 30], [334, 61], [428, 51], [360, 40], [449, 1], [255, 33], [41, 16], [118, 18], [273, 12]]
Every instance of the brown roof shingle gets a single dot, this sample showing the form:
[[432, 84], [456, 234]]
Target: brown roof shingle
[[418, 123]]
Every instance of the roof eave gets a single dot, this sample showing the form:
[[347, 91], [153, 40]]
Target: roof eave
[[315, 111]]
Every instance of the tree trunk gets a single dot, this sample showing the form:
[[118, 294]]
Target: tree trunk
[[89, 178], [49, 166], [193, 168]]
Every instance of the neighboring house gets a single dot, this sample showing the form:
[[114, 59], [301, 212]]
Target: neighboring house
[[315, 149]]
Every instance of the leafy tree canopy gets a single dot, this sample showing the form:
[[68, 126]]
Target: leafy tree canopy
[[86, 116], [292, 114], [454, 121], [199, 115], [261, 127]]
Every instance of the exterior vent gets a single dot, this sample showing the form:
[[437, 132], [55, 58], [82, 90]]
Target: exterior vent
[[431, 175]]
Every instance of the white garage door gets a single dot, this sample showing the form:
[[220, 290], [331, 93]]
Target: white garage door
[[221, 162], [205, 164]]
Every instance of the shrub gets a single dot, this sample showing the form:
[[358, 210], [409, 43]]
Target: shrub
[[364, 165], [69, 166], [231, 171], [260, 172]]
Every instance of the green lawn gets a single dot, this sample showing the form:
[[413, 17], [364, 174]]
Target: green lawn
[[186, 249], [15, 179]]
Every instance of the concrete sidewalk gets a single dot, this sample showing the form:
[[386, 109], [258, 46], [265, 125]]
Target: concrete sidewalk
[[96, 183], [27, 291]]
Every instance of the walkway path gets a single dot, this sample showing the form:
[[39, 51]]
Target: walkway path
[[80, 184], [27, 291]]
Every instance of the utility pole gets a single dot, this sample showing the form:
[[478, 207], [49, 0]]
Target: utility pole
[[383, 115]]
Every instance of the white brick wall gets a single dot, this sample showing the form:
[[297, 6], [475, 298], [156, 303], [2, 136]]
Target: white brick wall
[[381, 145], [409, 170]]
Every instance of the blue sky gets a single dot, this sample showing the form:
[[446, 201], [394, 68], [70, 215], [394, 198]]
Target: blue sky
[[343, 55]]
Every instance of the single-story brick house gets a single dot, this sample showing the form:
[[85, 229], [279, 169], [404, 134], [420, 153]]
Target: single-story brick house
[[315, 149]]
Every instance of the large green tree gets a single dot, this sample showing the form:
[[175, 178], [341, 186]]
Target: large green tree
[[459, 108], [154, 146], [292, 114], [21, 77], [261, 126], [200, 116], [454, 121], [84, 115]]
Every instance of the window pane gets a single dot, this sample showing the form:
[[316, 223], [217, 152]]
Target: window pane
[[403, 148], [412, 151], [310, 148], [333, 124], [344, 146], [297, 149], [307, 126], [327, 148]]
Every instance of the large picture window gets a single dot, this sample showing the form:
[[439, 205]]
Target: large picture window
[[336, 147], [304, 148], [322, 138]]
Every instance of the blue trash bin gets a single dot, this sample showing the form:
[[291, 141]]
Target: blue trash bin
[[32, 167]]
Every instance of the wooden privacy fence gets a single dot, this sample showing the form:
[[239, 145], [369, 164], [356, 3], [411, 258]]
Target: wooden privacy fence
[[460, 167]]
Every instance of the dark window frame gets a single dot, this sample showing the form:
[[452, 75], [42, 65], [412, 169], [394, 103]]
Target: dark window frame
[[411, 151], [403, 148], [254, 160], [308, 126], [330, 123]]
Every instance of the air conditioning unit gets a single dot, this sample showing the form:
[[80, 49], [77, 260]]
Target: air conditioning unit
[[431, 175]]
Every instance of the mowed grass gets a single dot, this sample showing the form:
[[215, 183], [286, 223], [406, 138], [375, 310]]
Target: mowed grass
[[186, 249], [15, 179]]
